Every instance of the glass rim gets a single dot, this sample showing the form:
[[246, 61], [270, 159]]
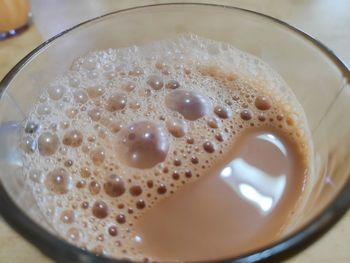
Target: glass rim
[[62, 251]]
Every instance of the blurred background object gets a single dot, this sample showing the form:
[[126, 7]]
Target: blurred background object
[[14, 17]]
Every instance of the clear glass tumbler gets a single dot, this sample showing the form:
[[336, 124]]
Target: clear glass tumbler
[[318, 78]]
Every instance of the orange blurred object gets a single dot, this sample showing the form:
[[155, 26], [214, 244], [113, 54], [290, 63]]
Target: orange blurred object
[[13, 14]]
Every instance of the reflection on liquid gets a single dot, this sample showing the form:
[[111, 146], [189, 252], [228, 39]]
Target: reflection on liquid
[[253, 183]]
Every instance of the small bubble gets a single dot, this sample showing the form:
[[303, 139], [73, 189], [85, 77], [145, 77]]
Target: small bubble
[[95, 92], [121, 218], [74, 234], [58, 181], [71, 113], [89, 64], [35, 176], [177, 162], [85, 205], [155, 82], [246, 115], [213, 123], [31, 127], [188, 174], [95, 114], [136, 71], [222, 112], [43, 109], [97, 155], [116, 102], [209, 147], [56, 92], [100, 209], [194, 160], [172, 84], [94, 187], [175, 175], [68, 163], [261, 117], [150, 183], [161, 189], [135, 190], [177, 128], [129, 86], [140, 204], [219, 137], [114, 186], [80, 96], [80, 184], [67, 217], [73, 138], [279, 117], [85, 172], [112, 231], [28, 144], [190, 140], [263, 103]]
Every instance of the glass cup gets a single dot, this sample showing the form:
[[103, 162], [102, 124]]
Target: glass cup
[[14, 17], [318, 78]]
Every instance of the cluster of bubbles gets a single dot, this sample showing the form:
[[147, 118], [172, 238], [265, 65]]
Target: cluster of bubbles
[[125, 128]]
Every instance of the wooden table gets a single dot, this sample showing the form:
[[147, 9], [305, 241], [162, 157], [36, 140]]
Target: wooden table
[[327, 20]]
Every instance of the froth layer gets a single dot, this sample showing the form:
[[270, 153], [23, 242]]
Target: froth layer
[[125, 128]]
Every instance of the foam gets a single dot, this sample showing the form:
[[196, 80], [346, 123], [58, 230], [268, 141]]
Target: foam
[[105, 92]]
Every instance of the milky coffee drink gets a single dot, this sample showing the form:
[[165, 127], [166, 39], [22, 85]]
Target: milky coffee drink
[[184, 149]]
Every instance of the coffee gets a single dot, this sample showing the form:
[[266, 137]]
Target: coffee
[[184, 149]]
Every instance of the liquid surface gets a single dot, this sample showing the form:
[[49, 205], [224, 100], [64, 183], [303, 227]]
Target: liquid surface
[[182, 149], [242, 202]]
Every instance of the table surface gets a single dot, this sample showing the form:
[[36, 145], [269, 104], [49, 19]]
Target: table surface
[[326, 20]]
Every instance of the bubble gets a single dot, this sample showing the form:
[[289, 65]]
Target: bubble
[[175, 175], [74, 234], [95, 114], [194, 160], [135, 105], [71, 113], [56, 92], [213, 123], [140, 204], [261, 117], [31, 127], [190, 140], [177, 162], [142, 144], [188, 174], [279, 117], [209, 147], [222, 112], [89, 64], [149, 183], [115, 126], [68, 163], [73, 138], [48, 143], [121, 218], [112, 231], [85, 172], [43, 109], [97, 155], [177, 128], [100, 209], [219, 137], [155, 82], [114, 186], [67, 217], [58, 181], [172, 84], [161, 189], [136, 71], [80, 184], [246, 115], [85, 205], [116, 102], [28, 144], [94, 188], [94, 92], [36, 175], [129, 86], [189, 104], [80, 96], [135, 190], [263, 103]]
